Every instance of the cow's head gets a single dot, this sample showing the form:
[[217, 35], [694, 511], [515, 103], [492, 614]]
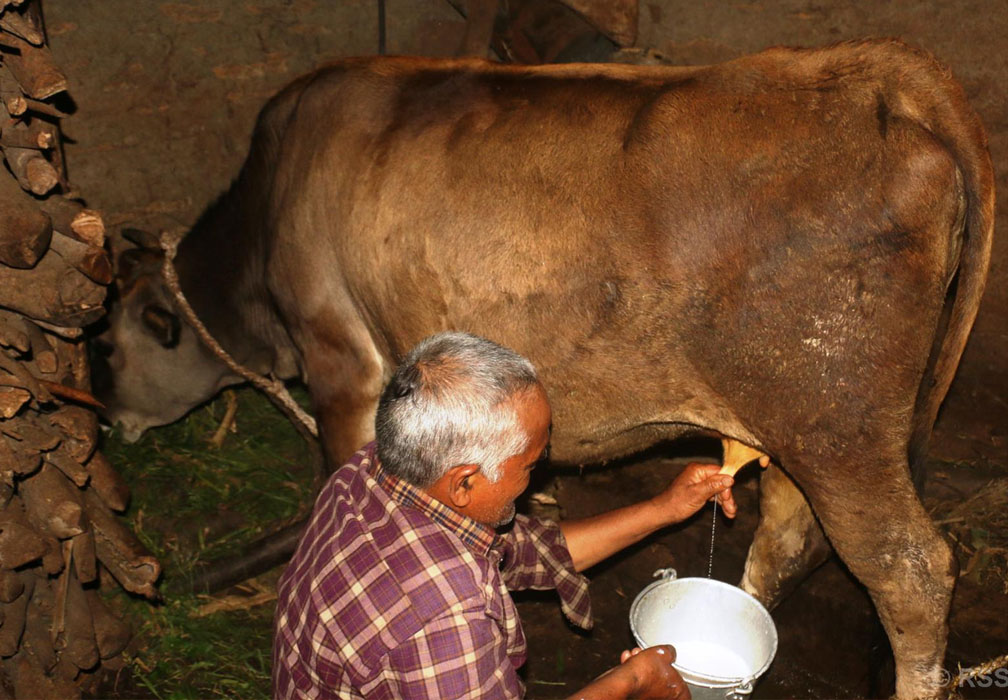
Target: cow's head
[[148, 366]]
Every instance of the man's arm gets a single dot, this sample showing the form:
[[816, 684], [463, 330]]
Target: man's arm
[[590, 540], [463, 656]]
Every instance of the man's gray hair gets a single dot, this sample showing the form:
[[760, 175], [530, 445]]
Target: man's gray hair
[[448, 404]]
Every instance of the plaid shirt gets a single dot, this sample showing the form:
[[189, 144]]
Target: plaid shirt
[[392, 594]]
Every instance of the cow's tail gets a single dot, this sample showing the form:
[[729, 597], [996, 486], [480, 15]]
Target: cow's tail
[[926, 93]]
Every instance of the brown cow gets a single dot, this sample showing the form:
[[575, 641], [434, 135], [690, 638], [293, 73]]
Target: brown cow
[[760, 249]]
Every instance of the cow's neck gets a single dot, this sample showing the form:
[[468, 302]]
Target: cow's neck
[[221, 265]]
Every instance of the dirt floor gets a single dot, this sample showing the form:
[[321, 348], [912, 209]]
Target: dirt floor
[[167, 93]]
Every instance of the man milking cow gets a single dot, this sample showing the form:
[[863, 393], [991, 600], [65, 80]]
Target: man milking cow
[[399, 586]]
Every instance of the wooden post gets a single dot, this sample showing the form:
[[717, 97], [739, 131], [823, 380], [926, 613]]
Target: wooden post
[[58, 495]]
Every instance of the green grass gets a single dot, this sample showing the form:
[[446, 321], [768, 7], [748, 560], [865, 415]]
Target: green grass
[[192, 503], [224, 655]]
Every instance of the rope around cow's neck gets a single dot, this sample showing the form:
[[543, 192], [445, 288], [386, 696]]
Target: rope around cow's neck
[[273, 387]]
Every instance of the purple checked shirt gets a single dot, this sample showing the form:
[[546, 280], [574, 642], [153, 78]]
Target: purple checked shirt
[[392, 594]]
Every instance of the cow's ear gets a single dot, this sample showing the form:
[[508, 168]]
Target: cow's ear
[[128, 263], [133, 264], [163, 324]]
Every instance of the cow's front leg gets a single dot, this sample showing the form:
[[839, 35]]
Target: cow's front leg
[[788, 544], [345, 375], [881, 531]]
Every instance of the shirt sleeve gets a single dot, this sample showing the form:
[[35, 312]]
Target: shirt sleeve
[[462, 654], [535, 556]]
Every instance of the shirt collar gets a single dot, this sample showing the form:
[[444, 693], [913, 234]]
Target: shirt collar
[[477, 537]]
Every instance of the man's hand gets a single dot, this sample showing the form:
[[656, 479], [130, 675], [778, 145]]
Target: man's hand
[[654, 674], [590, 540], [696, 485], [642, 675]]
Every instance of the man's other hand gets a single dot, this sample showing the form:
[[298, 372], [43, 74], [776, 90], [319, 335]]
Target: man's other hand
[[645, 674], [653, 673]]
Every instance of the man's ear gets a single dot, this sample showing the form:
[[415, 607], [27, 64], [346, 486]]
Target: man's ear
[[459, 484]]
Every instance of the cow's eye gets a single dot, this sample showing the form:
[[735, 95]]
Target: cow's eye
[[165, 325]]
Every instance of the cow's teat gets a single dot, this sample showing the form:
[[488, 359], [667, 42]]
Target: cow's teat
[[737, 455]]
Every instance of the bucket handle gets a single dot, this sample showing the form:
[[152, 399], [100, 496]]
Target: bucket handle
[[665, 574], [740, 692]]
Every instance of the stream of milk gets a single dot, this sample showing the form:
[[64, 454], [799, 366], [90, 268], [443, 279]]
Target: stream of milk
[[708, 659]]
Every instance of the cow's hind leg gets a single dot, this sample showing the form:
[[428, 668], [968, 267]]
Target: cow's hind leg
[[788, 544], [881, 531]]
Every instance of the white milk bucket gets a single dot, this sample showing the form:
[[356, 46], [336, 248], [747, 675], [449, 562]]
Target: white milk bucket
[[723, 637]]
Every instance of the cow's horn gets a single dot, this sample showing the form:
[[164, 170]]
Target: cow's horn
[[144, 239]]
